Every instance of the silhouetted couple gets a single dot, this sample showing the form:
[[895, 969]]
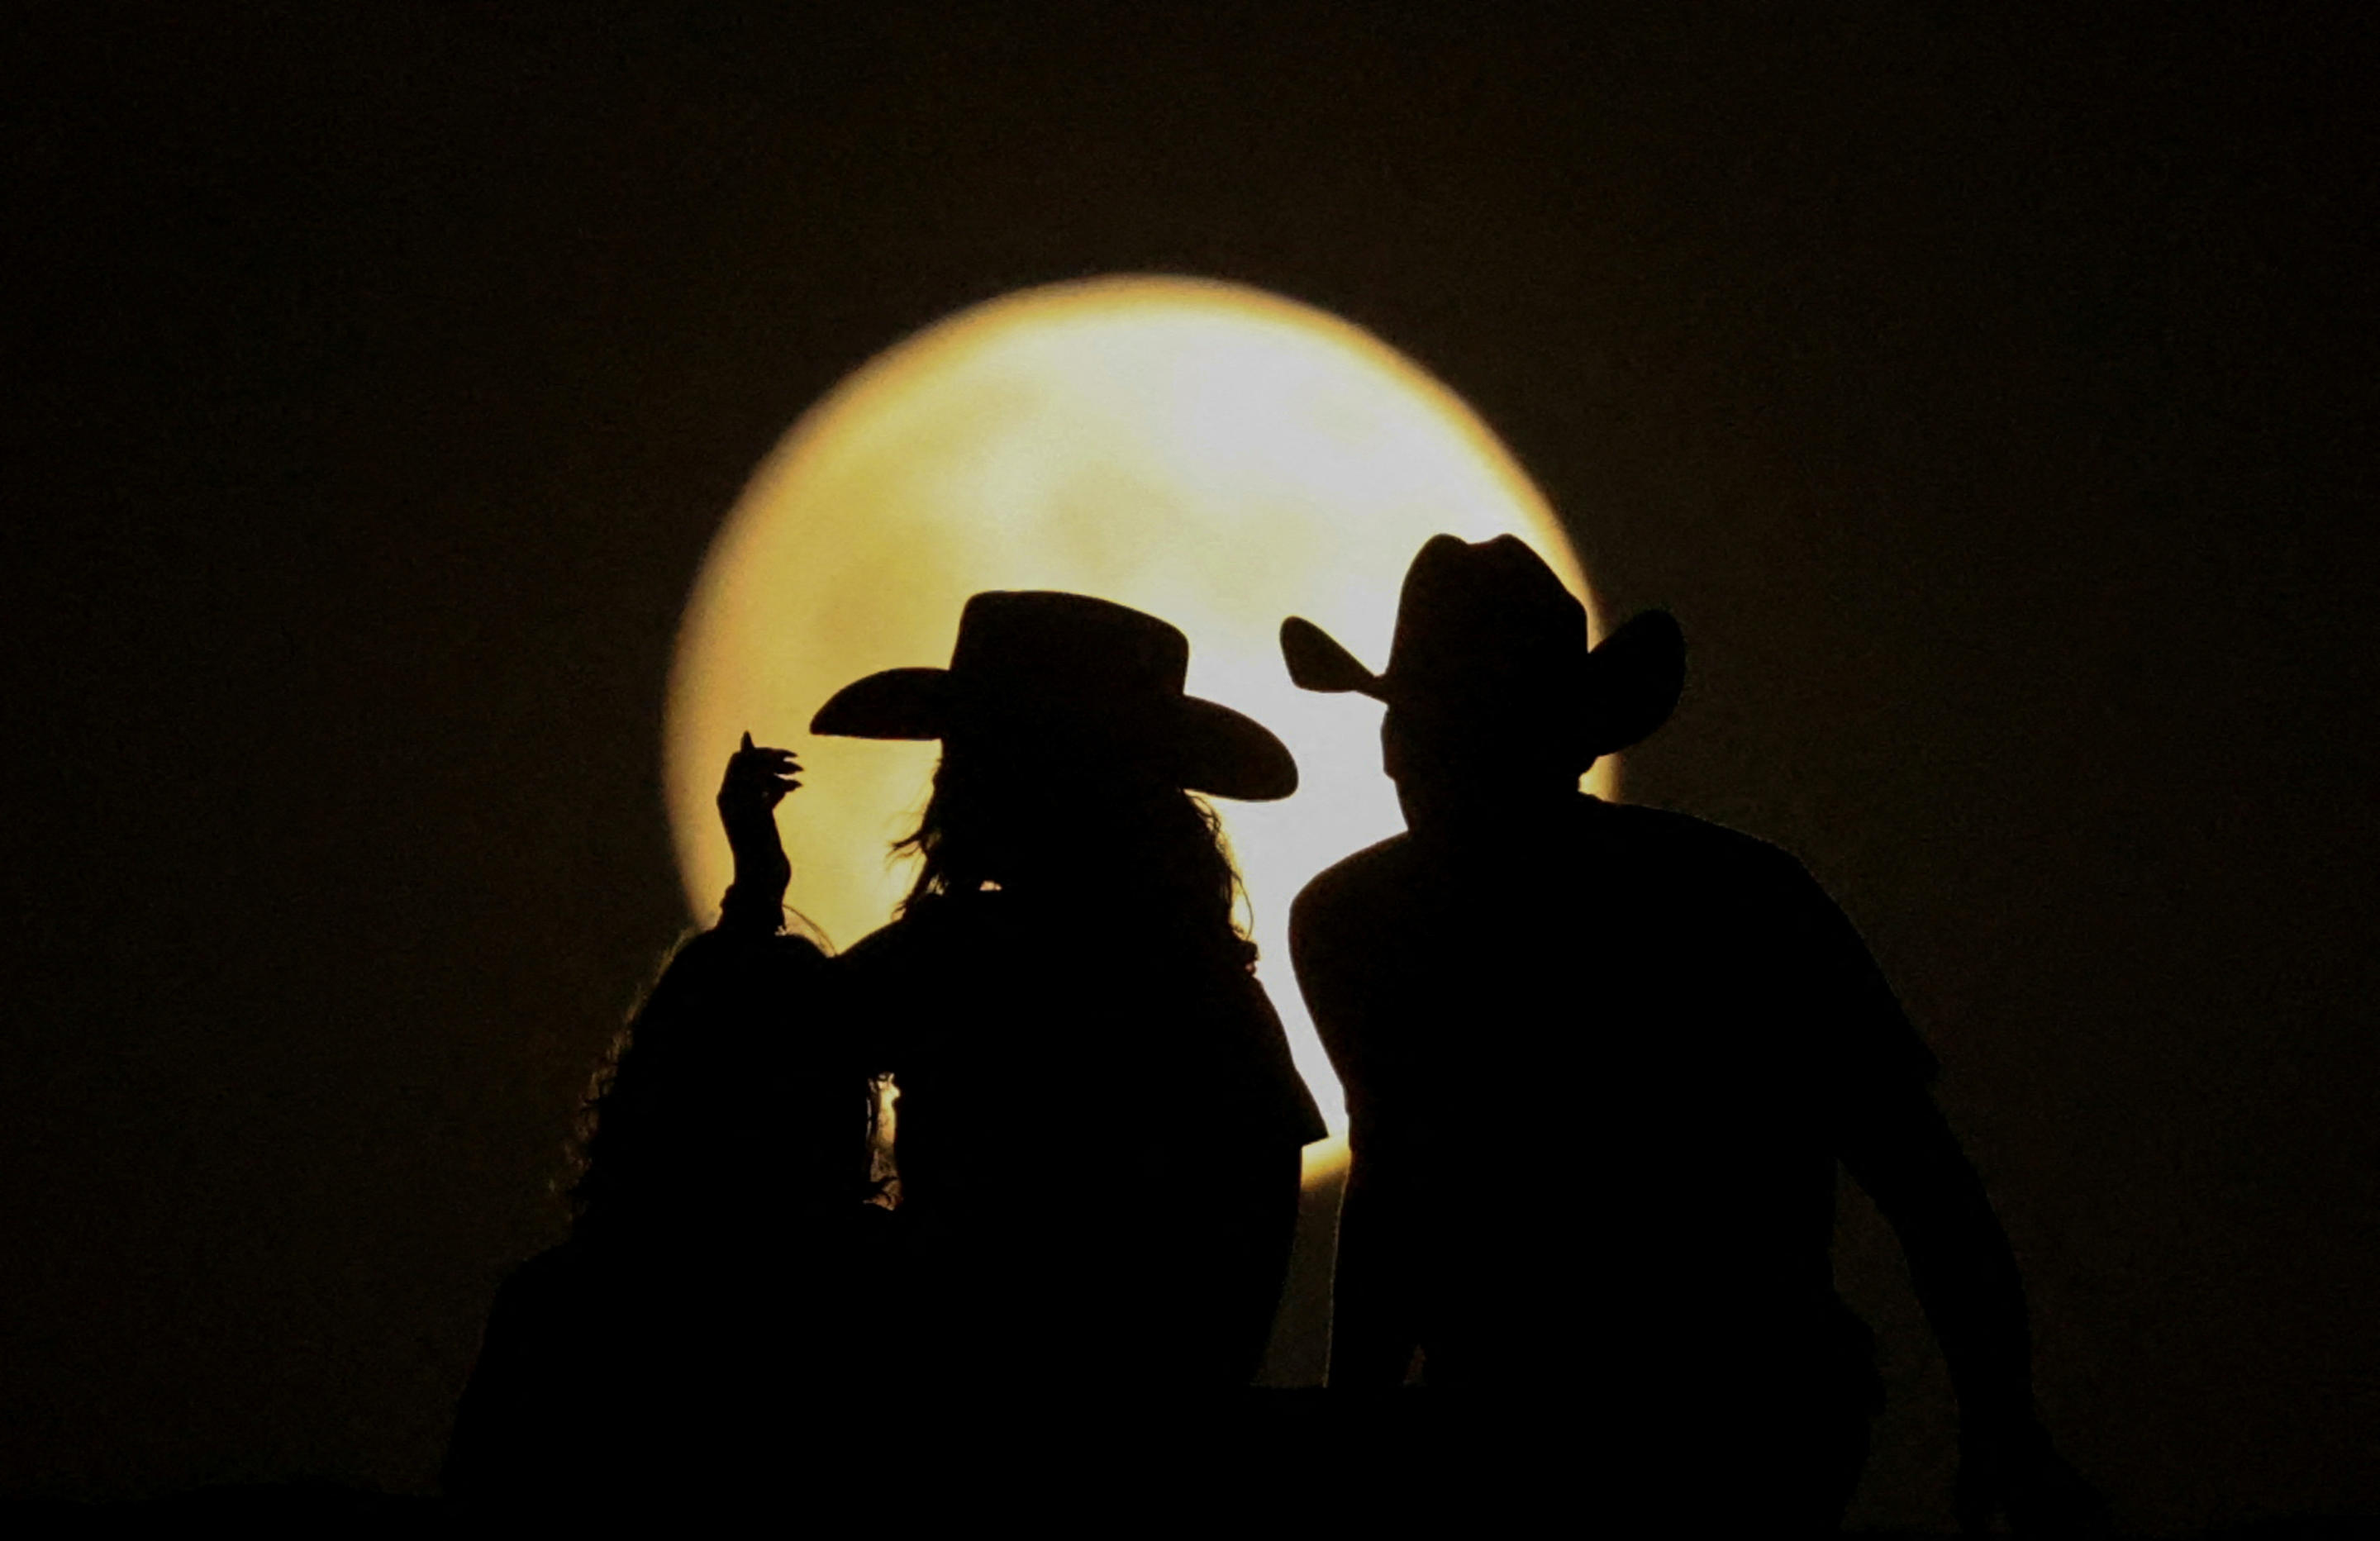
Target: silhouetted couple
[[1601, 1063]]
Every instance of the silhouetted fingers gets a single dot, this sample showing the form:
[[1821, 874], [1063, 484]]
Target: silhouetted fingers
[[758, 778], [751, 754]]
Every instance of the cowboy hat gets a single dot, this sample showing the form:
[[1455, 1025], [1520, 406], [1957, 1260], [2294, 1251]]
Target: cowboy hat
[[1078, 668], [1489, 632]]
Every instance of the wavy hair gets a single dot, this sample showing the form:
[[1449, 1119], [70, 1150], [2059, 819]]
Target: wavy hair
[[1103, 831]]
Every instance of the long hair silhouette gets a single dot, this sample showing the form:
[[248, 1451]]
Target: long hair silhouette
[[999, 818]]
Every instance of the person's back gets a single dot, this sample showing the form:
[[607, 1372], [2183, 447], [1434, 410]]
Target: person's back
[[1097, 1139], [1595, 1058]]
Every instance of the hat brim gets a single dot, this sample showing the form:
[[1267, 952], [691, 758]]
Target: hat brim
[[1318, 661], [1635, 677], [1632, 678], [1203, 744], [891, 703], [1229, 753]]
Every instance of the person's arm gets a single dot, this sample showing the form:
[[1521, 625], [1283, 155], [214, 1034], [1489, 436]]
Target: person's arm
[[1899, 1149], [745, 969], [757, 780], [1375, 1317], [1375, 1308], [1896, 1144]]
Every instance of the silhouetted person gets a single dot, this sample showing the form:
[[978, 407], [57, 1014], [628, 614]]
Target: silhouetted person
[[1601, 1063], [1099, 1128], [703, 1331]]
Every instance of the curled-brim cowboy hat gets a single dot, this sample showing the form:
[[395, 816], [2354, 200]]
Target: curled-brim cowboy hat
[[1078, 668], [1487, 632]]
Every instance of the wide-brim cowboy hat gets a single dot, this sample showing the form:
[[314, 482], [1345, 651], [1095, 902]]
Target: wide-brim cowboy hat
[[1083, 670], [1487, 632]]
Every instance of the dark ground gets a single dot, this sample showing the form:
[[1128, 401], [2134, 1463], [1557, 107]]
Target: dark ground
[[1991, 399]]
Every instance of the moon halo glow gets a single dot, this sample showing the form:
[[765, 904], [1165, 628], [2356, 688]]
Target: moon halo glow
[[1211, 454]]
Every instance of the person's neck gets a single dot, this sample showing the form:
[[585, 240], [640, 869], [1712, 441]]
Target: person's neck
[[1497, 819]]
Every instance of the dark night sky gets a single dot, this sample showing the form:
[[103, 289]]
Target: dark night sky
[[1990, 401]]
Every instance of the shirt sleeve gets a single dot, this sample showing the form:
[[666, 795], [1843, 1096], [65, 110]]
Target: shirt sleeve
[[1328, 956], [1867, 1042], [732, 982]]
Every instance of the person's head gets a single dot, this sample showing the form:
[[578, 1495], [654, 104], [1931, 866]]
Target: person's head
[[1070, 756], [1455, 766], [1497, 705], [1062, 820]]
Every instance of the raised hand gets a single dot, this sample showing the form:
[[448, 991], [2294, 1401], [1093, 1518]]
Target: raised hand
[[757, 778]]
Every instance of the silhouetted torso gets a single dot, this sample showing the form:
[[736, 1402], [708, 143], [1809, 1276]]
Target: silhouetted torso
[[1601, 1079], [1099, 1136]]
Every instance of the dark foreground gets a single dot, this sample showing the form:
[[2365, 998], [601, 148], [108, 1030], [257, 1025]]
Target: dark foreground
[[1276, 1463]]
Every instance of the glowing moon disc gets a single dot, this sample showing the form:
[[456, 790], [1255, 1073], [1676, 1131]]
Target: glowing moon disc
[[1213, 455]]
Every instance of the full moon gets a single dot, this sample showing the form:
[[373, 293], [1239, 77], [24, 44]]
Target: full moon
[[1213, 455]]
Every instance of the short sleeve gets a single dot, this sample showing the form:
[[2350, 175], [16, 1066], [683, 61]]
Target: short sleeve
[[1867, 1042]]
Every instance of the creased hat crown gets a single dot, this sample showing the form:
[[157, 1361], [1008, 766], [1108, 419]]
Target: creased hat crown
[[1484, 622], [1487, 634], [1084, 673], [1061, 651]]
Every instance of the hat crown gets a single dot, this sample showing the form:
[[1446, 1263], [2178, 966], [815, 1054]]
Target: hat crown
[[1474, 619], [1097, 682], [1489, 639], [1066, 651]]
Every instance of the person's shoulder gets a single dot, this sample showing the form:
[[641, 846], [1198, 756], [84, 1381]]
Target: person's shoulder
[[715, 946], [891, 948], [1675, 836], [886, 940], [932, 928], [1371, 871]]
